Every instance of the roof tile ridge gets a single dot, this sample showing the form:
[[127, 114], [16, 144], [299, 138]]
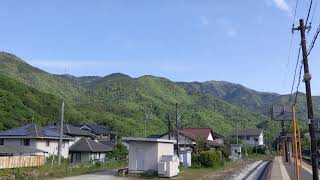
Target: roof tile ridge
[[89, 144]]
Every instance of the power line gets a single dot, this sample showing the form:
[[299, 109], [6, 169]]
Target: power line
[[314, 10], [299, 81], [314, 40], [295, 74], [310, 7], [291, 39]]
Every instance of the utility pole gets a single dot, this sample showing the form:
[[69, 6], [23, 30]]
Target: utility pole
[[145, 122], [177, 131], [169, 125], [60, 134], [306, 78], [237, 133], [285, 142]]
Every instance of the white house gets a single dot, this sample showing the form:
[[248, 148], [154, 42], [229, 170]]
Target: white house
[[37, 137], [146, 153], [251, 137], [88, 150]]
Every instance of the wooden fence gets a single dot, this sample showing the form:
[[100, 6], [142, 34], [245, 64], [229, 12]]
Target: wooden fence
[[21, 161]]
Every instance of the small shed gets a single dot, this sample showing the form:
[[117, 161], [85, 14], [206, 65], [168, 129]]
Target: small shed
[[235, 151], [146, 153]]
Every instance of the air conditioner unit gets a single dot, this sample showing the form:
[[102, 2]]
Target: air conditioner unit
[[168, 166]]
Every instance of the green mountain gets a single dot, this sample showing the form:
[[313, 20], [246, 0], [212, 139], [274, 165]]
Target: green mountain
[[119, 101], [251, 100]]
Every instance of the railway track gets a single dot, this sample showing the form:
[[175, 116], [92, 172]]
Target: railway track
[[260, 172], [257, 170]]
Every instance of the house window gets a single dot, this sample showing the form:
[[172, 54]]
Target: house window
[[25, 142], [47, 143], [1, 142], [248, 138], [63, 144]]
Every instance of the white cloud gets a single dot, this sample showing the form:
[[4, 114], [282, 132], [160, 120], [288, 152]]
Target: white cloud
[[204, 20], [227, 26], [282, 5]]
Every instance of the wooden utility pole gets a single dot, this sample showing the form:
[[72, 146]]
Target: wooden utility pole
[[295, 140], [306, 78], [300, 151], [285, 142], [177, 130], [60, 134], [169, 125]]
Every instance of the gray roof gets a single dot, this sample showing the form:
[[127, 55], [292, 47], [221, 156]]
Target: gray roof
[[247, 132], [8, 149], [111, 144], [89, 145], [70, 130], [97, 129], [31, 131]]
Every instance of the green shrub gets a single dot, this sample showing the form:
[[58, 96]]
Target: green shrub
[[120, 152], [207, 159]]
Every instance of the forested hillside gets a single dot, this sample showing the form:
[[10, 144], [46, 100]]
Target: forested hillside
[[28, 94]]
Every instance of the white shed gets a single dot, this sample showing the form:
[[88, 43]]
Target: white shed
[[146, 153]]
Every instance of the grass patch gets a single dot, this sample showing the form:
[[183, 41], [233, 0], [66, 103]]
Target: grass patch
[[66, 169], [205, 173]]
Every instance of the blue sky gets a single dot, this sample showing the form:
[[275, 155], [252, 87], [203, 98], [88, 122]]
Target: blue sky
[[245, 42]]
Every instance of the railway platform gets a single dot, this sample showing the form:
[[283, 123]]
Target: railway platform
[[286, 171]]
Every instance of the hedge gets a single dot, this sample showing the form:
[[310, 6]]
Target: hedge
[[207, 159]]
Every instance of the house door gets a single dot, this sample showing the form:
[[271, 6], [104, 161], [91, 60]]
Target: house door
[[78, 157], [140, 159]]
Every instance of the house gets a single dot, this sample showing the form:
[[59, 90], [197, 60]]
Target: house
[[188, 137], [35, 136], [150, 154], [88, 150], [102, 133], [251, 137], [75, 132], [235, 151]]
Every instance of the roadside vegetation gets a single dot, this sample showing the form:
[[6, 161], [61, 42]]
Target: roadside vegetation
[[49, 171]]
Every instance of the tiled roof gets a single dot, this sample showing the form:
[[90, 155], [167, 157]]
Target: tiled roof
[[31, 131], [70, 130], [8, 149], [97, 129], [111, 144], [247, 132], [196, 133], [89, 145]]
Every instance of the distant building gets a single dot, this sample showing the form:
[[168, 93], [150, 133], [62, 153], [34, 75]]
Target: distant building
[[88, 150], [102, 133], [188, 137], [251, 137], [37, 137], [75, 132]]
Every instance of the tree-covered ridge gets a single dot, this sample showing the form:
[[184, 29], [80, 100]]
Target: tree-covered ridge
[[119, 101]]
